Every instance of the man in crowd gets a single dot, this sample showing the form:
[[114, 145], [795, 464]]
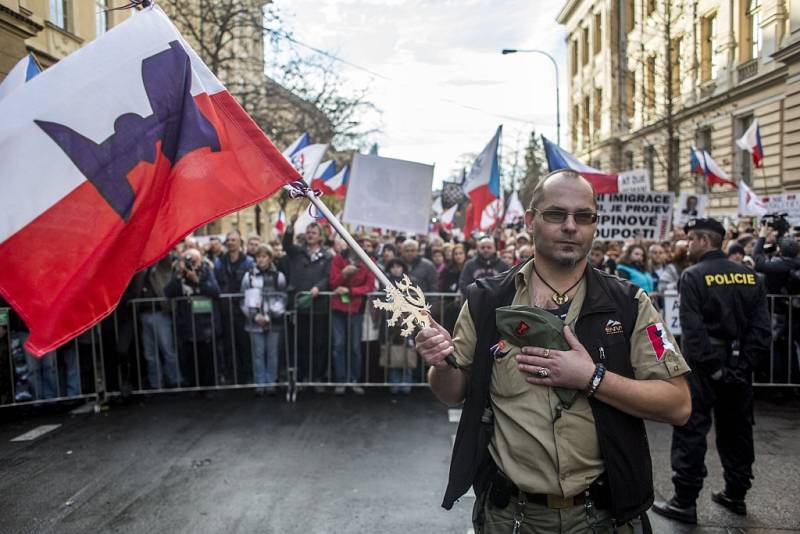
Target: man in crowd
[[215, 250], [485, 264], [253, 242], [229, 271], [725, 331], [419, 268], [307, 267], [736, 253], [536, 418]]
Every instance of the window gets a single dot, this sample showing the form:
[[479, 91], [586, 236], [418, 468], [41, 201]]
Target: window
[[650, 163], [675, 59], [597, 38], [743, 161], [630, 94], [708, 35], [753, 37], [702, 139], [585, 121], [651, 6], [585, 46], [573, 45], [575, 120], [629, 160], [597, 119], [650, 87], [58, 12], [630, 15], [101, 17]]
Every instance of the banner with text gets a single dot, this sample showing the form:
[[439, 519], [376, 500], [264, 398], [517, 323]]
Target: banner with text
[[788, 203], [627, 215], [635, 181]]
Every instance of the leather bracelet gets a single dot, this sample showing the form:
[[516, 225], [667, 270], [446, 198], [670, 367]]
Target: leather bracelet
[[597, 377]]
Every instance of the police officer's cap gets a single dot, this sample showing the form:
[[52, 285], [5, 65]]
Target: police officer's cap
[[711, 225]]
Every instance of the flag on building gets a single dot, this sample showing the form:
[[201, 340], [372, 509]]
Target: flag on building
[[280, 222], [25, 69], [697, 161], [751, 141], [300, 142], [307, 159], [558, 158], [482, 185], [714, 173], [324, 172], [110, 157], [515, 210], [750, 204]]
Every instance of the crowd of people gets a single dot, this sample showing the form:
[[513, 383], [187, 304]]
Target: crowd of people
[[234, 328]]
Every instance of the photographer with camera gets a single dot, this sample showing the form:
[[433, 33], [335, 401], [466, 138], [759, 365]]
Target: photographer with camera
[[195, 316], [782, 273]]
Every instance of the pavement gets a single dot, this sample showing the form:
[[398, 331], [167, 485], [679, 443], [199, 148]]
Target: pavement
[[234, 463]]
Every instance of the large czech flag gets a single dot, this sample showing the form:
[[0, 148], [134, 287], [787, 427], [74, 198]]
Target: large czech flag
[[109, 158], [558, 158], [482, 185], [751, 141]]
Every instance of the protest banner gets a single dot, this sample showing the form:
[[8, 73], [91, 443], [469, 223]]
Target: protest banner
[[635, 181], [672, 311], [788, 203], [628, 215], [690, 206], [389, 193]]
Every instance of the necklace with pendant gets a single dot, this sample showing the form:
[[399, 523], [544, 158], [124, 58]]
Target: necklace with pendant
[[559, 298]]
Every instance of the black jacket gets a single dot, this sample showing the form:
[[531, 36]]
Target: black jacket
[[191, 326], [477, 268], [304, 271], [777, 270], [622, 437], [727, 301]]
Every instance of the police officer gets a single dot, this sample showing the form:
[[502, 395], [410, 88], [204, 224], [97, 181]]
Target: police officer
[[726, 329], [551, 436]]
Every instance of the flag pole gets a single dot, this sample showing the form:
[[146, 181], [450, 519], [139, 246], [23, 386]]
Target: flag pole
[[402, 299]]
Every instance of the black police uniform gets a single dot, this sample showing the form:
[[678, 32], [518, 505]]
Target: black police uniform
[[725, 329]]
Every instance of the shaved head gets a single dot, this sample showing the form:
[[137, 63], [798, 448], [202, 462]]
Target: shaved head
[[555, 178]]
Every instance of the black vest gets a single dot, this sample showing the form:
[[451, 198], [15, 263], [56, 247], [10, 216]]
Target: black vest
[[622, 437]]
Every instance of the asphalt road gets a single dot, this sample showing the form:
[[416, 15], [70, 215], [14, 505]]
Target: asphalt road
[[239, 464]]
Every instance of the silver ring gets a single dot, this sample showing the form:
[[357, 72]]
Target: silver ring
[[542, 372]]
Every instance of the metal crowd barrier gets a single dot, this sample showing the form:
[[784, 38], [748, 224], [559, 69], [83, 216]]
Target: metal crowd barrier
[[326, 356], [150, 347]]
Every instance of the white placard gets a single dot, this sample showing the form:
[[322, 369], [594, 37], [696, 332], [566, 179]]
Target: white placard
[[635, 181], [672, 311], [788, 203], [389, 193], [690, 206], [252, 298], [627, 215]]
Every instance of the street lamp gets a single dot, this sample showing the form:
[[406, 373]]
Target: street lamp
[[555, 66]]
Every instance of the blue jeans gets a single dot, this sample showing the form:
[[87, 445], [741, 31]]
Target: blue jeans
[[43, 375], [157, 338], [347, 363], [264, 346], [399, 376]]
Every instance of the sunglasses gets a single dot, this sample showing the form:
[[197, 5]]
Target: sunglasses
[[557, 216]]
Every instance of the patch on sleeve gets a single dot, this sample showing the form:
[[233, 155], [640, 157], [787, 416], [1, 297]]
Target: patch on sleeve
[[522, 328], [659, 340]]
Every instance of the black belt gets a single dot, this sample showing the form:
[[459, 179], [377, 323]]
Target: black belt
[[503, 489]]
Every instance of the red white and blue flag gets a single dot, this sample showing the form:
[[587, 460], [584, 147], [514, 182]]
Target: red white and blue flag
[[714, 173], [482, 185], [307, 159], [337, 184], [325, 171], [300, 143], [558, 158], [280, 223], [24, 71], [751, 141], [110, 157], [697, 161]]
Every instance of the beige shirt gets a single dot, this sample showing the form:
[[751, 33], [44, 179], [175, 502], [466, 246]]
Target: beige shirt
[[542, 446]]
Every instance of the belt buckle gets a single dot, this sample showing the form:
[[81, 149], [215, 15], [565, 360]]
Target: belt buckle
[[556, 502]]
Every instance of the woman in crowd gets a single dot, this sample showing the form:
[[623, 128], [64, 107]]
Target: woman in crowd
[[437, 257], [397, 354], [264, 305], [672, 272], [633, 266], [448, 283]]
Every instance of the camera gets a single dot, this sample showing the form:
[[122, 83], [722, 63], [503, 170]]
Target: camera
[[777, 221], [187, 262]]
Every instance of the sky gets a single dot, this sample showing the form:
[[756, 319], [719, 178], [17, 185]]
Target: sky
[[440, 79]]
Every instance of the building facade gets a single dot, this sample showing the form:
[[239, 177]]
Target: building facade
[[650, 78]]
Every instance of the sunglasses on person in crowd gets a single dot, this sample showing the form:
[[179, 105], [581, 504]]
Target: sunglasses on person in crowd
[[557, 216]]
